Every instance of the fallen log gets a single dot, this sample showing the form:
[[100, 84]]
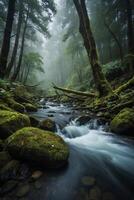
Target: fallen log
[[87, 94], [125, 86]]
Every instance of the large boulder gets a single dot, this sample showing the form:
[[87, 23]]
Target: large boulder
[[38, 147], [48, 124], [123, 123], [11, 122]]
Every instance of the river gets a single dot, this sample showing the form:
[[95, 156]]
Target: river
[[101, 164]]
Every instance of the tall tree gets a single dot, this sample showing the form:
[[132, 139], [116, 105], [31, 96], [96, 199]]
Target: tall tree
[[14, 53], [16, 72], [101, 83], [6, 39]]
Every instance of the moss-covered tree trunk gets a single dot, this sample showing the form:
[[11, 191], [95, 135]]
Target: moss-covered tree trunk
[[6, 38], [101, 83]]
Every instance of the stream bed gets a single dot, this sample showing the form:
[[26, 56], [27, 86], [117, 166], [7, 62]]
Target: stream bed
[[101, 164]]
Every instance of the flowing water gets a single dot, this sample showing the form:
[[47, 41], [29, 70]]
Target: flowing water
[[101, 164]]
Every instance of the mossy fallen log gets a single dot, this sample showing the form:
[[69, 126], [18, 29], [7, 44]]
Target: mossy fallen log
[[125, 86], [87, 94]]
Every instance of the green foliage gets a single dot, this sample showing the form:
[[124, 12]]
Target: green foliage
[[113, 69]]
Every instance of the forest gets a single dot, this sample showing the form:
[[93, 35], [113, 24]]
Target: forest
[[66, 99]]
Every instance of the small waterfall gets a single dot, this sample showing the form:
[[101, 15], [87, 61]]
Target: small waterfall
[[95, 140]]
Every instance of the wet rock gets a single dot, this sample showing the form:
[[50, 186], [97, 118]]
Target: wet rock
[[45, 107], [39, 147], [8, 187], [83, 120], [34, 121], [88, 181], [4, 158], [23, 172], [50, 115], [48, 124], [123, 123], [30, 107], [10, 122], [23, 190], [38, 184], [36, 175], [10, 170], [95, 193]]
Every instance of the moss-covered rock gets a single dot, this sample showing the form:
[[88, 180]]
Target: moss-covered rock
[[4, 107], [30, 107], [123, 123], [11, 122], [21, 94], [15, 105], [39, 147], [84, 119], [48, 124]]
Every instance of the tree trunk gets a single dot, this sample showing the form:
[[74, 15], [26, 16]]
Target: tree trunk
[[13, 78], [6, 39], [101, 83], [14, 53], [129, 26]]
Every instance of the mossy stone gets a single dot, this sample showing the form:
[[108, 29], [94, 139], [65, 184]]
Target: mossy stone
[[15, 105], [48, 124], [123, 123], [39, 147], [30, 107], [11, 122], [4, 107]]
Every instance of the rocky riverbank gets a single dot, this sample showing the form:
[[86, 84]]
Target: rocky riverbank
[[28, 146], [24, 149]]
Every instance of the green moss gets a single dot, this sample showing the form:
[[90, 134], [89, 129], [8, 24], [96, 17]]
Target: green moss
[[11, 121], [4, 107], [15, 105], [123, 123], [30, 107], [48, 124], [21, 93], [125, 86], [38, 146]]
